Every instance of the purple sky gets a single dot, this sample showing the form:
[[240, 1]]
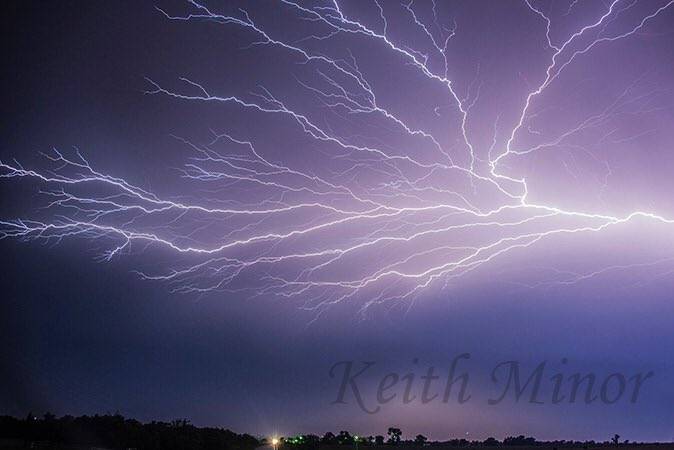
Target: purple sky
[[206, 207]]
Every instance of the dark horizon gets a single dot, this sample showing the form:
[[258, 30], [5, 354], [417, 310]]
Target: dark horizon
[[101, 426]]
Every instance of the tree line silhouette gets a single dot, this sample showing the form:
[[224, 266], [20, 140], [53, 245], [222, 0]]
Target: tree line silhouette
[[115, 431], [394, 438]]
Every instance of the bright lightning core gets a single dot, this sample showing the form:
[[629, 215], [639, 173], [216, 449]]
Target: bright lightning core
[[395, 155]]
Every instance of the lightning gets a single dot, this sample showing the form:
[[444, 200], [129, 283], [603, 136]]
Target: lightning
[[368, 219]]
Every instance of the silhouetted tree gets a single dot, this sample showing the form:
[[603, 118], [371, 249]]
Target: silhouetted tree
[[379, 439], [312, 439], [328, 438], [491, 442], [394, 435], [420, 439], [344, 438], [615, 439], [303, 442], [519, 440]]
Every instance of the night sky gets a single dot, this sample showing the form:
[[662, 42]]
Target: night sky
[[423, 181]]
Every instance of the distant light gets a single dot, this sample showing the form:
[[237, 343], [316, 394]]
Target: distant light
[[274, 441]]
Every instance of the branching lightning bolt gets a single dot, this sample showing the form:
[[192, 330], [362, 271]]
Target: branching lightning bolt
[[303, 233]]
